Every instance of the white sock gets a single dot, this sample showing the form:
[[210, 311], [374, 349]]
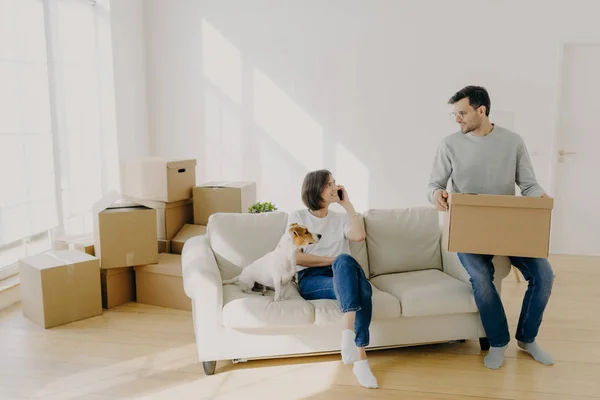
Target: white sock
[[349, 350], [536, 352], [363, 373], [495, 357]]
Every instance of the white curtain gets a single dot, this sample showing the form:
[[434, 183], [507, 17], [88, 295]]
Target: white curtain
[[58, 151], [82, 71]]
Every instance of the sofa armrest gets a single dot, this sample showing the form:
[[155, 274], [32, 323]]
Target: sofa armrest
[[202, 283], [453, 267], [201, 276], [450, 262]]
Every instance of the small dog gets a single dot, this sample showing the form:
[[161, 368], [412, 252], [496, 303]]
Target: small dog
[[276, 268]]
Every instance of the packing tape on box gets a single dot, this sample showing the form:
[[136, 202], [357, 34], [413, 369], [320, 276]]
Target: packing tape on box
[[70, 265], [129, 259]]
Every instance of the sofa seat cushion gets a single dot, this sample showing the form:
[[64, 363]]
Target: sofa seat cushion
[[253, 310], [430, 292], [385, 306]]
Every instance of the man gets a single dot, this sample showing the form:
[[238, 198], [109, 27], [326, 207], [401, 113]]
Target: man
[[484, 158]]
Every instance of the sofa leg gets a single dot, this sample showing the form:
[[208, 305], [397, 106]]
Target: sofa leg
[[209, 367], [484, 343]]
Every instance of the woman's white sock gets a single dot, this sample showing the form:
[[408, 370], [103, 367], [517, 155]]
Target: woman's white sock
[[349, 350], [363, 373]]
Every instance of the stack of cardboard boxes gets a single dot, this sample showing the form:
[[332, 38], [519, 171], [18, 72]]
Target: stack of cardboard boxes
[[166, 188], [135, 251]]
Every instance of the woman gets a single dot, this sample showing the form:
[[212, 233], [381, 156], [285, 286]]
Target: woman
[[326, 270]]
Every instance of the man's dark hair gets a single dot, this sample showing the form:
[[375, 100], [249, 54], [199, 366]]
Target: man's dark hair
[[478, 96], [313, 185]]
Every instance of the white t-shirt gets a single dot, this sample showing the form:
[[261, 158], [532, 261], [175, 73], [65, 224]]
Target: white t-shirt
[[334, 228]]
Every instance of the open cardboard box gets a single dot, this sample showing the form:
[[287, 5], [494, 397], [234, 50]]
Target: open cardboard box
[[124, 233], [170, 217], [498, 225], [187, 232]]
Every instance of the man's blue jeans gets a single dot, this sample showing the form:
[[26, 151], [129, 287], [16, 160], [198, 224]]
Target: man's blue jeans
[[539, 275], [345, 281]]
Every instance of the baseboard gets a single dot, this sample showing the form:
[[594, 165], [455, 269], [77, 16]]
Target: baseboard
[[10, 292]]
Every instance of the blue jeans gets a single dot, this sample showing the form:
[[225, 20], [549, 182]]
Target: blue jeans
[[539, 275], [345, 281]]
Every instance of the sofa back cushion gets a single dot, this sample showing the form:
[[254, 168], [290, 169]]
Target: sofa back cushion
[[403, 240], [239, 239]]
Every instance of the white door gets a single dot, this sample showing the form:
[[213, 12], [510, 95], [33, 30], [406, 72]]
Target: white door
[[576, 216]]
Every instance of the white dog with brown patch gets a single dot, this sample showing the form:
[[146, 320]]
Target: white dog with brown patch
[[276, 268]]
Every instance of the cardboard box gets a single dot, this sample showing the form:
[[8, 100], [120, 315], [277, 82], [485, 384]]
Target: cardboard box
[[59, 287], [158, 179], [161, 284], [164, 246], [499, 225], [188, 231], [229, 197], [86, 247], [125, 233], [170, 217], [84, 243], [118, 286]]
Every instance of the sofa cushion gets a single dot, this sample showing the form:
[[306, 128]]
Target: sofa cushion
[[239, 239], [385, 306], [403, 240], [431, 292], [253, 310]]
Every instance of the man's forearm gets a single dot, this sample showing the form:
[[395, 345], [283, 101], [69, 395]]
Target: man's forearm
[[310, 260]]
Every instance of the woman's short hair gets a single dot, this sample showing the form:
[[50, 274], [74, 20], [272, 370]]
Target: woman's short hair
[[313, 185]]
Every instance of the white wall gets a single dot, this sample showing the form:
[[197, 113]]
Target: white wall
[[268, 90], [129, 63]]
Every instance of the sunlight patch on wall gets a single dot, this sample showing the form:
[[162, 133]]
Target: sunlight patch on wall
[[223, 147], [353, 174], [286, 123], [221, 62]]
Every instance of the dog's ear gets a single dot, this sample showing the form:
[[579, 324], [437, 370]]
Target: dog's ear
[[294, 224], [295, 230]]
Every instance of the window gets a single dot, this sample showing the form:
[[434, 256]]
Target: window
[[27, 197], [58, 151]]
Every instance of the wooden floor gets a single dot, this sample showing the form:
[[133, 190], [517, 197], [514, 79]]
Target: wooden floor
[[143, 352]]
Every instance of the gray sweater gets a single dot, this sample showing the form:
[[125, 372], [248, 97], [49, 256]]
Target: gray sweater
[[489, 164]]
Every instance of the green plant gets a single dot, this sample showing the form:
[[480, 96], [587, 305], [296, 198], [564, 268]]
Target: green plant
[[261, 207]]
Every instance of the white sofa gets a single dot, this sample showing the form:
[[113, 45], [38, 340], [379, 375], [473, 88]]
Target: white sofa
[[421, 293]]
